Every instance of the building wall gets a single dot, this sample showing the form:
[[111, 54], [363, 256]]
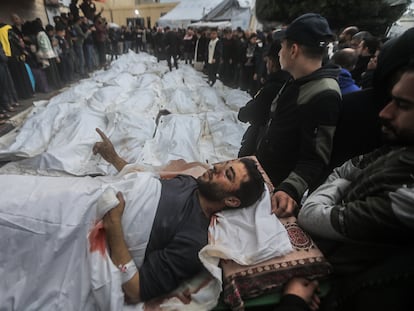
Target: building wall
[[26, 9], [116, 11], [120, 13]]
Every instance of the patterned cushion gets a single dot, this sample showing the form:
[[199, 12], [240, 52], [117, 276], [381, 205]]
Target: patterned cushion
[[242, 282]]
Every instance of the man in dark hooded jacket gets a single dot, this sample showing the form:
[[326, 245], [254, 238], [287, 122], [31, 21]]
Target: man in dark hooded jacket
[[295, 148]]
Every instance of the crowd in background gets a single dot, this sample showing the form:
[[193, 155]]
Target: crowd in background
[[43, 58]]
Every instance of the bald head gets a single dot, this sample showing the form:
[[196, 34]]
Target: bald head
[[350, 31], [16, 19], [346, 58]]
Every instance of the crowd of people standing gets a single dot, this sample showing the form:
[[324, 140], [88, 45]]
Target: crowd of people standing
[[38, 58]]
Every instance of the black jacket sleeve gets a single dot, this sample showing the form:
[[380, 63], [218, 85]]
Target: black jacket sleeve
[[292, 303], [318, 124]]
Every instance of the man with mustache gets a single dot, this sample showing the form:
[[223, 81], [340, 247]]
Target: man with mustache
[[179, 229], [363, 215]]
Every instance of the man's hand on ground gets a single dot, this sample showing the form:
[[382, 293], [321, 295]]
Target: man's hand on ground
[[282, 204]]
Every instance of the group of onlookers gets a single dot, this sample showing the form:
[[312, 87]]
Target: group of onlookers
[[233, 56], [38, 58], [335, 135], [240, 56]]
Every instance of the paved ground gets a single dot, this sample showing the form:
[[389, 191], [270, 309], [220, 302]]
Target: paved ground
[[19, 115]]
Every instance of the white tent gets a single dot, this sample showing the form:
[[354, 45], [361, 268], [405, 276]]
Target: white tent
[[187, 12], [237, 12], [219, 25]]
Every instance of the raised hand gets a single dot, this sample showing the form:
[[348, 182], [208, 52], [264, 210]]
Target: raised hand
[[106, 149]]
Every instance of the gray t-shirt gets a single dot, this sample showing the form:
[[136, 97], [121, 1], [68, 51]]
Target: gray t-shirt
[[179, 232]]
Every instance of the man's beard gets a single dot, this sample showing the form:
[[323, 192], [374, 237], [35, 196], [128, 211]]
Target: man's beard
[[211, 191], [393, 137]]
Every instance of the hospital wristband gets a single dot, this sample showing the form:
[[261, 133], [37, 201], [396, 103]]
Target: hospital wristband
[[127, 271]]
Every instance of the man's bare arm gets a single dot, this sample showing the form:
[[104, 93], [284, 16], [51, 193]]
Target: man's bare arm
[[106, 149], [118, 249]]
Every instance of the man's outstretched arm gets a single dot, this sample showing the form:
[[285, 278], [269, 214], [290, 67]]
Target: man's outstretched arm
[[119, 253], [106, 149]]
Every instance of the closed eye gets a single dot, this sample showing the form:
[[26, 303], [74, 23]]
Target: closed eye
[[230, 174]]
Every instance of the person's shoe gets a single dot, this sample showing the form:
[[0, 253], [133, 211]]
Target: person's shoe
[[4, 116], [10, 108]]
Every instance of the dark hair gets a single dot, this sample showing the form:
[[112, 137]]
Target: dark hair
[[372, 43], [49, 28], [313, 52], [362, 35], [60, 27], [250, 191], [36, 26], [395, 54]]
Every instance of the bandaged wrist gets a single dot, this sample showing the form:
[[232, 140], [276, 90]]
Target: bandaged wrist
[[127, 271]]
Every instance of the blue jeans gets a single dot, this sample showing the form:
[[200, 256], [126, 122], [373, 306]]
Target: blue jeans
[[127, 46], [89, 56]]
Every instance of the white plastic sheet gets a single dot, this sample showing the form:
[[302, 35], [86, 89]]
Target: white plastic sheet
[[44, 224], [124, 102]]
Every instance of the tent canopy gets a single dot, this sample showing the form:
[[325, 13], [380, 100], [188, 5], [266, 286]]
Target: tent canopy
[[226, 10], [188, 12], [219, 25]]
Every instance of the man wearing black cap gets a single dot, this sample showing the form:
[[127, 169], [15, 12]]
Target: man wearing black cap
[[296, 145]]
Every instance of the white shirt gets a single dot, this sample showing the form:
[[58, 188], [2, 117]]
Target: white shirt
[[211, 48]]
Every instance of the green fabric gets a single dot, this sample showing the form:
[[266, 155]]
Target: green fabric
[[269, 299]]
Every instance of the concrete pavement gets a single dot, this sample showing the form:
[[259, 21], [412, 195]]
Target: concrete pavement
[[18, 116]]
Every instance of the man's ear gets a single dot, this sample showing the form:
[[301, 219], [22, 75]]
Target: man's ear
[[294, 50], [232, 201]]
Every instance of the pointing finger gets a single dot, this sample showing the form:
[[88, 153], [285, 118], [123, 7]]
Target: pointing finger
[[103, 136]]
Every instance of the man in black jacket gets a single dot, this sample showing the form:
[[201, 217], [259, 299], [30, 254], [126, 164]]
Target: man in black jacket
[[171, 47], [295, 147], [229, 56]]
